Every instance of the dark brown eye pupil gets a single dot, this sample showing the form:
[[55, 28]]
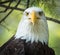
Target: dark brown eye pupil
[[40, 13], [27, 13]]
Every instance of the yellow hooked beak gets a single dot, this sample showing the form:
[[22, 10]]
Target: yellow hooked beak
[[33, 17]]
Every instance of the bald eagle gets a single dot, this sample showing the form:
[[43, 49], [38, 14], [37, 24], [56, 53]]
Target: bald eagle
[[31, 37]]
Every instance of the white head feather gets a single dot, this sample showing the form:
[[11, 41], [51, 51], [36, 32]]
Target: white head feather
[[38, 32]]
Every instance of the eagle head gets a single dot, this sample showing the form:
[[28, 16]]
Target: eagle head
[[33, 26]]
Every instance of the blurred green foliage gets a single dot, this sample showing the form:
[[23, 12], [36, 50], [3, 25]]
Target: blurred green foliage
[[9, 26]]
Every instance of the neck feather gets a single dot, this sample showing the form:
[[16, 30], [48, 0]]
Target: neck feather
[[38, 32]]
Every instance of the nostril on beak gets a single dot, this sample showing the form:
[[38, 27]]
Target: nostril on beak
[[38, 18], [29, 18]]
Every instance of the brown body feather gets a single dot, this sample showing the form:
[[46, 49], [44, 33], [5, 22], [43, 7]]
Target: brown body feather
[[20, 47]]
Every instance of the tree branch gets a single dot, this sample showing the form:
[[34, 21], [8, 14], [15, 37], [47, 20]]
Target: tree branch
[[28, 1], [54, 20], [6, 27], [9, 12], [4, 2], [15, 8], [7, 7]]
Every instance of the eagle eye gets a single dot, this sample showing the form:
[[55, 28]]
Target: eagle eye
[[40, 13], [27, 13]]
